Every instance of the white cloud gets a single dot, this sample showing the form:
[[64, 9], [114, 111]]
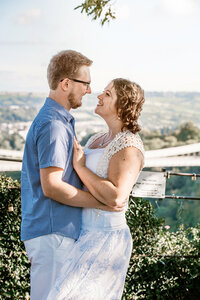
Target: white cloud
[[28, 17], [179, 7]]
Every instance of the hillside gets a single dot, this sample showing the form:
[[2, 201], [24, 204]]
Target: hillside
[[170, 110], [161, 110]]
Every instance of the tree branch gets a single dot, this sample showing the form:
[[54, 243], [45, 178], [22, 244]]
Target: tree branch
[[97, 9]]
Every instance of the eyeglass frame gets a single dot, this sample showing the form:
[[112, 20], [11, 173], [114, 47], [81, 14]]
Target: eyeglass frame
[[80, 81]]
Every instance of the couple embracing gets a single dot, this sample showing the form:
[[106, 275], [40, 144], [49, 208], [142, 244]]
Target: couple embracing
[[74, 201]]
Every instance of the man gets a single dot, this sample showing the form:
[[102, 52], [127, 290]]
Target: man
[[50, 188]]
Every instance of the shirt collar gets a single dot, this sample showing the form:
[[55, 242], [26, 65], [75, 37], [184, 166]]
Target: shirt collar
[[58, 107]]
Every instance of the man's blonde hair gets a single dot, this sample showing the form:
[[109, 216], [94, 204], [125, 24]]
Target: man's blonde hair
[[65, 64]]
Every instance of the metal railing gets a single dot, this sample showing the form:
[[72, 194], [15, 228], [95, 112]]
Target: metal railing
[[193, 176]]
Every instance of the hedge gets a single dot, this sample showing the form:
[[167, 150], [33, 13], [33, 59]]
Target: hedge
[[14, 264], [163, 265]]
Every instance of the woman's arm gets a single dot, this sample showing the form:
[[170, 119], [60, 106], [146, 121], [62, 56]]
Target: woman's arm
[[123, 171], [55, 188]]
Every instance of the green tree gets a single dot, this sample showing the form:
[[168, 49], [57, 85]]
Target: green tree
[[16, 141], [171, 140], [154, 143], [188, 132], [11, 141]]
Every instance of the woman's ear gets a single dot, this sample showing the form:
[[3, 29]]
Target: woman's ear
[[119, 113]]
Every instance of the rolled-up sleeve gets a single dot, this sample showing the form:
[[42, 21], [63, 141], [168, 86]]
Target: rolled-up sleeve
[[53, 145]]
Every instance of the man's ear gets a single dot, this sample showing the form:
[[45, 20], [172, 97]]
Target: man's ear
[[65, 84]]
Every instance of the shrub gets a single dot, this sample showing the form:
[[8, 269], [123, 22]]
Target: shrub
[[14, 265], [163, 265]]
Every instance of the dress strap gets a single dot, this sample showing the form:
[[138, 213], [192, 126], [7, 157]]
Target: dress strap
[[93, 138]]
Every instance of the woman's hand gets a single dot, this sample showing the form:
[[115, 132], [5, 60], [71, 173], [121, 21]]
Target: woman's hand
[[78, 156]]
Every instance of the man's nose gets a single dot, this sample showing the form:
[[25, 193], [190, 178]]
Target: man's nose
[[89, 90]]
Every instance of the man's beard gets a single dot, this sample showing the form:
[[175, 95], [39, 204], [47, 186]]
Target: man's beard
[[72, 101]]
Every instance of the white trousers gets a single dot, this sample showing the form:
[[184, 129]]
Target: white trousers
[[47, 254]]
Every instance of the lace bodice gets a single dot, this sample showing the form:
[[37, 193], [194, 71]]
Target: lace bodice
[[121, 140], [96, 219], [97, 160]]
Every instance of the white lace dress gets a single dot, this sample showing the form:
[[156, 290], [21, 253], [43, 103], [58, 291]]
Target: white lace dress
[[97, 265]]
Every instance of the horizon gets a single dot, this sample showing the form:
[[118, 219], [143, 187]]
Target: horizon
[[95, 92]]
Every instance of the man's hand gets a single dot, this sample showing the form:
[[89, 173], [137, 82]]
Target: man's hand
[[114, 209]]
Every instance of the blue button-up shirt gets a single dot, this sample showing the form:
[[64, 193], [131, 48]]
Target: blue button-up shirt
[[49, 143]]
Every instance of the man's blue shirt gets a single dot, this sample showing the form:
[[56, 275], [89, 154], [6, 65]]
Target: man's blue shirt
[[49, 143]]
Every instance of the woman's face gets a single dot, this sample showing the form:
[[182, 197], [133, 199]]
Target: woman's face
[[107, 102]]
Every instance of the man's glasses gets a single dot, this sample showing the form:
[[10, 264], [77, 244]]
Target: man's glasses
[[87, 84]]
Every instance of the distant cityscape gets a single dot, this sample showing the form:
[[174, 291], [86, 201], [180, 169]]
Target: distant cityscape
[[162, 111]]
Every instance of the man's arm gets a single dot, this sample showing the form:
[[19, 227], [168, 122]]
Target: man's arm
[[55, 188]]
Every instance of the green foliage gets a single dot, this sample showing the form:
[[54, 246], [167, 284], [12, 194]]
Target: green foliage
[[187, 133], [24, 114], [169, 110], [14, 264], [19, 107], [11, 142], [175, 211], [20, 100], [15, 175], [163, 265], [97, 9]]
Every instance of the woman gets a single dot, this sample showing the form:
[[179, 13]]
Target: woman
[[97, 266]]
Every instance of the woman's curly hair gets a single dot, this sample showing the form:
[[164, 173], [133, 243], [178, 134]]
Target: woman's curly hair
[[130, 98]]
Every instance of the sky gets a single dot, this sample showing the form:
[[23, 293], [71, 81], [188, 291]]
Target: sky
[[154, 43]]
